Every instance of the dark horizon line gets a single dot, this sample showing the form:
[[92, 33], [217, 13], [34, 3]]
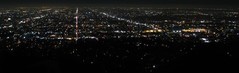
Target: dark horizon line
[[119, 5]]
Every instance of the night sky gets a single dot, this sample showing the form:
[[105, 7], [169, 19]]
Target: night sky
[[190, 2]]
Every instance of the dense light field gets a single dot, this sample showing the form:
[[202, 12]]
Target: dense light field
[[118, 40]]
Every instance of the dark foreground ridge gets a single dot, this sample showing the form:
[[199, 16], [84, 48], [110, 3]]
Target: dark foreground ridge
[[120, 55]]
